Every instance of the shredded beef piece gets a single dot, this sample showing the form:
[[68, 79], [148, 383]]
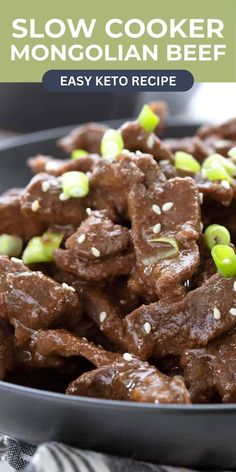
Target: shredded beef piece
[[87, 137], [137, 139], [215, 191], [51, 345], [114, 375], [225, 130], [103, 310], [212, 370], [108, 189], [220, 146], [102, 253], [111, 182], [192, 145], [132, 381], [100, 269], [160, 108], [7, 351], [50, 209], [211, 190], [57, 167], [185, 324], [206, 269], [32, 299], [100, 232], [155, 276], [12, 221]]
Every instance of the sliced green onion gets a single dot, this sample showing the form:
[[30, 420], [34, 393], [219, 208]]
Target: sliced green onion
[[216, 234], [186, 162], [41, 248], [10, 245], [232, 153], [75, 184], [112, 144], [148, 119], [167, 247], [225, 260], [77, 153], [216, 173], [216, 160]]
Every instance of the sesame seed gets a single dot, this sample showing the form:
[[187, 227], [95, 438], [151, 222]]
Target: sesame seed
[[126, 152], [122, 302], [102, 316], [45, 186], [81, 238], [15, 259], [88, 211], [150, 141], [234, 286], [156, 209], [50, 166], [201, 226], [157, 228], [221, 143], [167, 206], [67, 287], [35, 205], [127, 357], [232, 311], [216, 314], [139, 153], [187, 283], [95, 252], [225, 184], [63, 197], [147, 327], [164, 162], [200, 198]]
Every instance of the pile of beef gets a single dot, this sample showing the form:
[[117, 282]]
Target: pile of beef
[[111, 316]]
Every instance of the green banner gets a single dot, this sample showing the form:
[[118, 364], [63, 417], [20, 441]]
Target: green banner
[[171, 34]]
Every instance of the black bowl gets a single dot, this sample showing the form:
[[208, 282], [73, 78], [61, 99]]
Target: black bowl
[[201, 436]]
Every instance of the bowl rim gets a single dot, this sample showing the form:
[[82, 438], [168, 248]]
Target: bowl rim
[[94, 403]]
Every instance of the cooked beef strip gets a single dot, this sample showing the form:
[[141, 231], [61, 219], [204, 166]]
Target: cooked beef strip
[[50, 209], [137, 139], [211, 190], [215, 191], [160, 108], [51, 345], [40, 164], [188, 323], [105, 312], [109, 185], [132, 381], [115, 377], [12, 221], [192, 145], [7, 351], [226, 130], [111, 182], [32, 299], [100, 269], [206, 269], [155, 276], [87, 137], [212, 369], [100, 232], [220, 146]]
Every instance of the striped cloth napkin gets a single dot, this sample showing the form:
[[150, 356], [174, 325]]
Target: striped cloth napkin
[[57, 457]]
